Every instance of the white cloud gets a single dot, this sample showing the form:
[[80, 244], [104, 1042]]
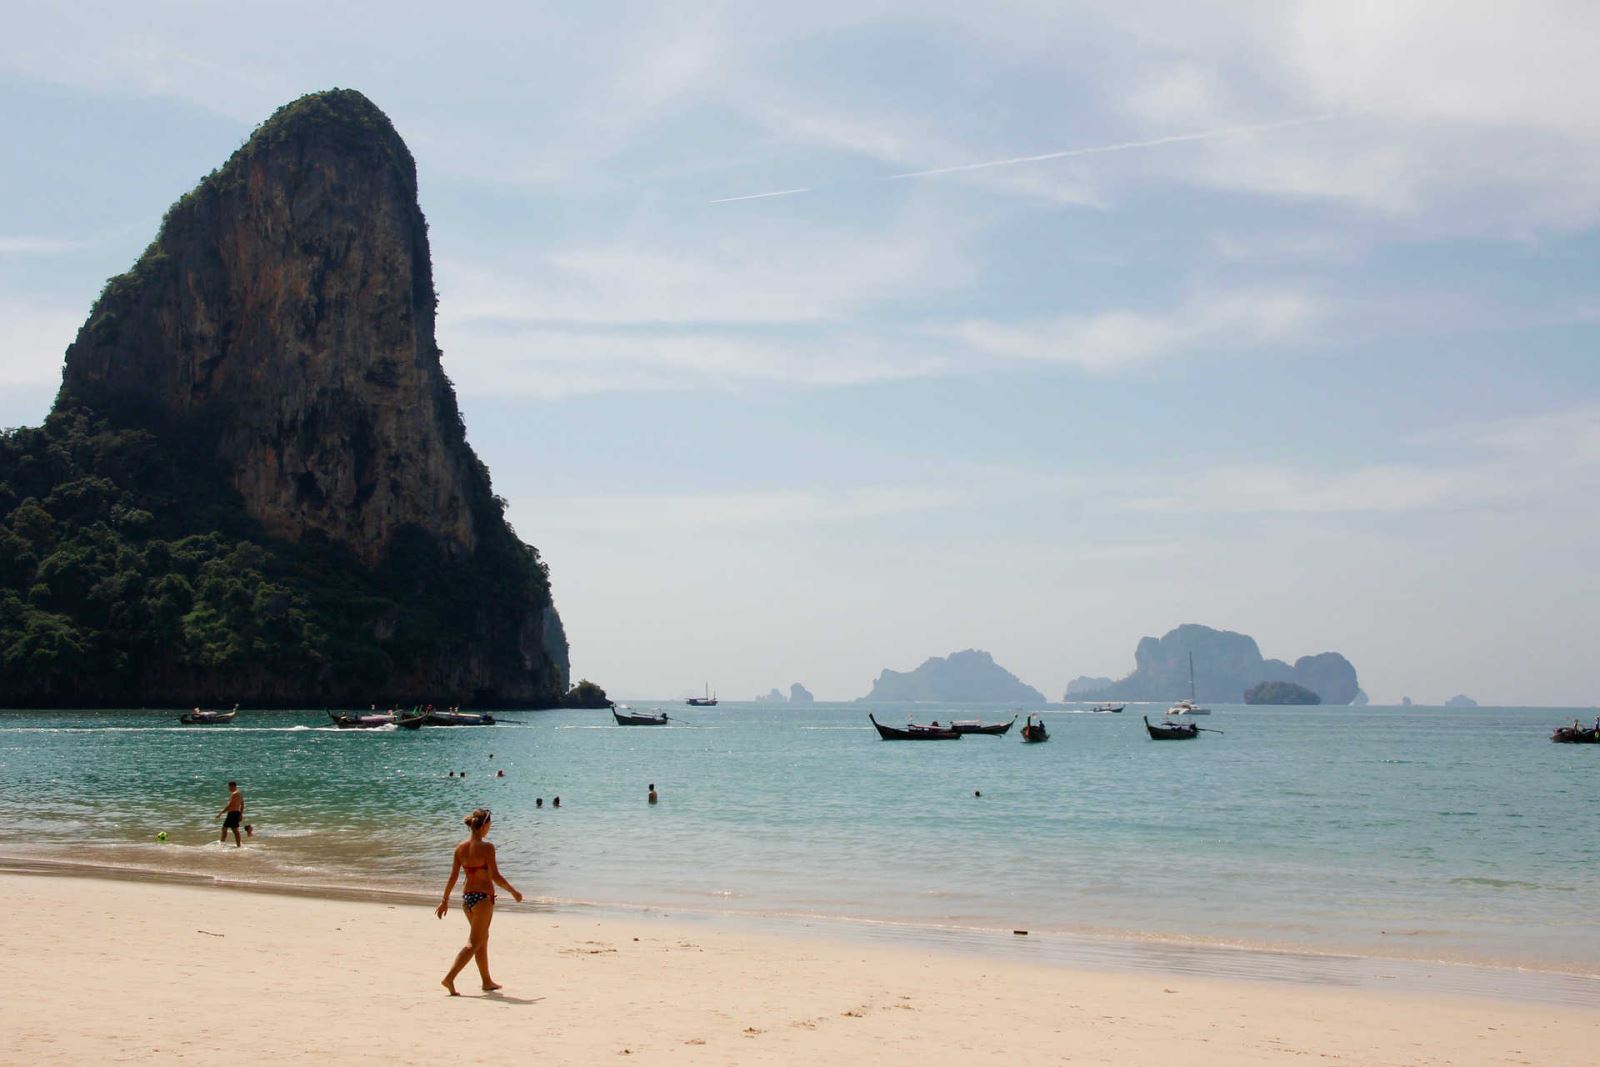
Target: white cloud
[[1543, 464], [21, 245], [1112, 341], [769, 271], [778, 507], [553, 362], [36, 339], [1268, 488], [1473, 116]]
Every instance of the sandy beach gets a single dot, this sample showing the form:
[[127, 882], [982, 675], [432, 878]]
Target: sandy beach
[[110, 970]]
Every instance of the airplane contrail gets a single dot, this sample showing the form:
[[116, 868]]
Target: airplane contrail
[[1067, 153], [760, 196]]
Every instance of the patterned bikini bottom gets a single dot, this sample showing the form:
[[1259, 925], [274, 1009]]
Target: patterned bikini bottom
[[472, 900]]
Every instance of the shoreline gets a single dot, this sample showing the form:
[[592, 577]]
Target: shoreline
[[1098, 953], [121, 970]]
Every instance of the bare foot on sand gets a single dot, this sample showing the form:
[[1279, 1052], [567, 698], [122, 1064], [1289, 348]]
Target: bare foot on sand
[[490, 987], [451, 986]]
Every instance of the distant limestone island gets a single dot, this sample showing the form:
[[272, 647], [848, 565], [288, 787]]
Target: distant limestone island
[[970, 677], [798, 694], [255, 484], [1226, 665]]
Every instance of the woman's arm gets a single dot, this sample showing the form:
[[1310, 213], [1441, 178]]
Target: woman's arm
[[455, 872], [500, 879]]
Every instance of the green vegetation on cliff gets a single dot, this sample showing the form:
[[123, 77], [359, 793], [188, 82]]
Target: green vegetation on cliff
[[1280, 693], [130, 574]]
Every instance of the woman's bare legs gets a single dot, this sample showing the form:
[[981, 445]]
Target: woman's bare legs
[[482, 953], [477, 946]]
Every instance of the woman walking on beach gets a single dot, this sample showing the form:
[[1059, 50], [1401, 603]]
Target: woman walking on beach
[[476, 857]]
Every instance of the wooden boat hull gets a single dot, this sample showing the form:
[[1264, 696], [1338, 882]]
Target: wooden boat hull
[[1566, 735], [362, 722], [1165, 732], [415, 722], [638, 720], [208, 718], [1034, 735], [457, 718], [916, 733], [993, 730], [701, 702]]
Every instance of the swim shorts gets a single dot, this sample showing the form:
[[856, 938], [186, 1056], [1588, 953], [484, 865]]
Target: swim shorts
[[232, 820]]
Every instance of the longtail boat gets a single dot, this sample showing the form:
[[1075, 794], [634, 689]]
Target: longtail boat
[[363, 722], [1171, 731], [1034, 732], [1107, 709], [915, 732], [634, 719], [1567, 735], [412, 722], [458, 718], [976, 726], [208, 718]]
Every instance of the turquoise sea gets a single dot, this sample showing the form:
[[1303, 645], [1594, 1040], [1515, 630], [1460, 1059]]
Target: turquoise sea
[[1403, 834]]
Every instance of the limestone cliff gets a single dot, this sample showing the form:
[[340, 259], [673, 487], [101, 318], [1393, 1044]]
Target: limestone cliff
[[263, 489], [288, 301], [1225, 665], [970, 677]]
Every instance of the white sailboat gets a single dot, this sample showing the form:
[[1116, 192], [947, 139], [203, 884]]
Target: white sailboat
[[1187, 705]]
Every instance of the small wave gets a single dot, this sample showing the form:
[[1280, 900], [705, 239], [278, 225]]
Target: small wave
[[1506, 883]]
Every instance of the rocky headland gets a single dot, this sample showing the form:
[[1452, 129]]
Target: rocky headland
[[255, 484], [970, 677], [1225, 665]]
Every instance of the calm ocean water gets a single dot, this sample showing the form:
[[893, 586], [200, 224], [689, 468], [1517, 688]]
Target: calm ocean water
[[1417, 833]]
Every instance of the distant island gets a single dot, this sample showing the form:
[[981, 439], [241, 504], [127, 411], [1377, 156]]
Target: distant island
[[255, 485], [798, 694], [1084, 684], [970, 677], [1225, 665], [1280, 693], [1460, 700]]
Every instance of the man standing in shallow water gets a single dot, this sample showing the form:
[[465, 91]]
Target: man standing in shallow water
[[234, 812]]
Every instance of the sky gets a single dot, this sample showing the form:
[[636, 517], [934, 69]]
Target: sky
[[1071, 322]]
